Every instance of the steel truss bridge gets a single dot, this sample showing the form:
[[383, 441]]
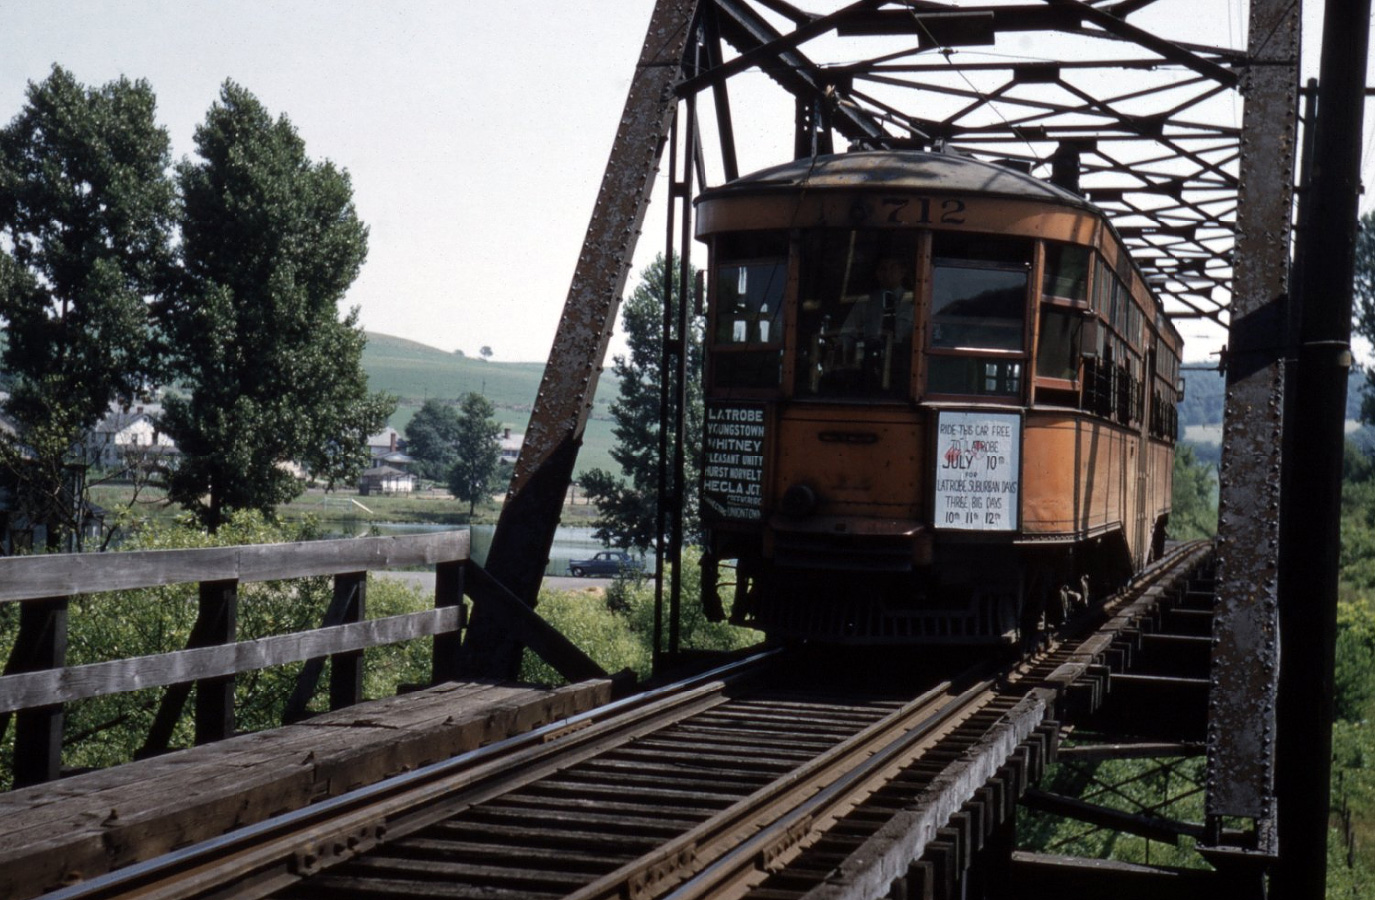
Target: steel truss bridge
[[1235, 186], [1191, 128]]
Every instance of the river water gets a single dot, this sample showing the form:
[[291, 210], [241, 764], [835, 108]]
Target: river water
[[569, 543]]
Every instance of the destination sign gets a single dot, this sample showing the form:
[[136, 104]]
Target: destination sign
[[733, 464], [978, 470]]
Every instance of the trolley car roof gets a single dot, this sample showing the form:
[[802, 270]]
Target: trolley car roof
[[903, 170]]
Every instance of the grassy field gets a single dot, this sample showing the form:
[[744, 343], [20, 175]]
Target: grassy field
[[345, 505], [414, 372]]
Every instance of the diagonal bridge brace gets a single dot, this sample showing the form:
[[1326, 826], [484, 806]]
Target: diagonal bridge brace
[[539, 483], [494, 601]]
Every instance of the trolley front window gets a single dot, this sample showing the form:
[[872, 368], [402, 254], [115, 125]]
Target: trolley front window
[[977, 307], [855, 314], [747, 297], [978, 314]]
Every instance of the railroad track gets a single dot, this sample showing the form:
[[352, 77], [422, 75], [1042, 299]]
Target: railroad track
[[736, 783]]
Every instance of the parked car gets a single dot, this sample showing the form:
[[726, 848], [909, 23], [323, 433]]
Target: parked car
[[605, 563]]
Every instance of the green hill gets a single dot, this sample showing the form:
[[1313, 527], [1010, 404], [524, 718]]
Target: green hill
[[415, 372]]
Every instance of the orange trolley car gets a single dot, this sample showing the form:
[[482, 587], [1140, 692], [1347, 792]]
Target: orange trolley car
[[940, 401]]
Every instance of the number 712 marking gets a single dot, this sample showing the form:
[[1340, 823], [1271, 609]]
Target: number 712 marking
[[951, 210]]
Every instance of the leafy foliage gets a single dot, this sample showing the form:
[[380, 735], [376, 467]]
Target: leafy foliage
[[1364, 296], [270, 243], [1194, 504], [1357, 560], [627, 505], [1172, 788], [1351, 838], [476, 472], [1351, 835], [618, 631], [86, 214], [1354, 675], [588, 622], [432, 437]]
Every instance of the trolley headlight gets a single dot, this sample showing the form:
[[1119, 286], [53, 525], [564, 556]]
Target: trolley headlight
[[799, 501]]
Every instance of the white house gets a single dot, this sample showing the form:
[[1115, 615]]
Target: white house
[[510, 446], [121, 435], [388, 440], [385, 480], [386, 448]]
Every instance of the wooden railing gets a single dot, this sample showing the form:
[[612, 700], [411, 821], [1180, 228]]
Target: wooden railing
[[37, 682]]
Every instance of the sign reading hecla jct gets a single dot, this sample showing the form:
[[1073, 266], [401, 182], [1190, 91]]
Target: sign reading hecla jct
[[978, 470], [733, 474]]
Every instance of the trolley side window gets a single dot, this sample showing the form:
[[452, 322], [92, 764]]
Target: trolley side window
[[748, 294], [1066, 272], [855, 314], [1064, 309], [978, 314], [1057, 353]]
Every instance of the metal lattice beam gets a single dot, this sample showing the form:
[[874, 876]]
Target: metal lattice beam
[[525, 530], [1152, 113]]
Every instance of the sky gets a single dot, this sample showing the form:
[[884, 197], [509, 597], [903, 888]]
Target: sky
[[475, 131]]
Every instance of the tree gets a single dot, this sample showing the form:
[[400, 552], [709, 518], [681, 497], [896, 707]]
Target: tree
[[1364, 291], [432, 439], [1193, 511], [270, 243], [86, 213], [627, 506], [486, 352], [476, 472]]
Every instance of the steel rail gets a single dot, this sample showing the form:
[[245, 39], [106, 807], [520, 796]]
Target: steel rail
[[777, 811], [259, 859], [771, 848], [795, 825], [775, 824]]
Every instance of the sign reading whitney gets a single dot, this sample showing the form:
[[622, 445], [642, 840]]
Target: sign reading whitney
[[733, 473]]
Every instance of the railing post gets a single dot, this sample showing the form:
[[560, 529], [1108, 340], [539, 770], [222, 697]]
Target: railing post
[[448, 591], [40, 644], [217, 624], [346, 669]]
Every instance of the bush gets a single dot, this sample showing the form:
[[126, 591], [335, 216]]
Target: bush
[[696, 632], [586, 620], [618, 631]]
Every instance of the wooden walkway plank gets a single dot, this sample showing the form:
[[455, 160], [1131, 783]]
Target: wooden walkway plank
[[78, 827]]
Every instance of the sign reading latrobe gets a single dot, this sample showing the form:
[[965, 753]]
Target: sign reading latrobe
[[733, 466]]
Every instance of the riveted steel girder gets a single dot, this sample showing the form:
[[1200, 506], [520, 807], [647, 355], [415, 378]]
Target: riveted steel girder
[[1245, 659], [525, 530]]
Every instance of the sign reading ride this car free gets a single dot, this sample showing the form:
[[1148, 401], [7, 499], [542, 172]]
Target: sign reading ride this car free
[[978, 470], [733, 467]]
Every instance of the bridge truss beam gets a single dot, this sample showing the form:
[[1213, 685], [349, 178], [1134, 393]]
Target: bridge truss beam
[[1182, 133]]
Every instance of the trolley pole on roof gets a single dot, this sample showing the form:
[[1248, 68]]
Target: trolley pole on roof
[[539, 483]]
